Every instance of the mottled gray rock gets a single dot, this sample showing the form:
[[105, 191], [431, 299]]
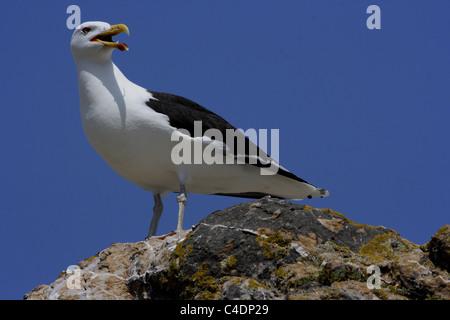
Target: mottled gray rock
[[439, 247], [104, 276], [264, 249], [253, 240]]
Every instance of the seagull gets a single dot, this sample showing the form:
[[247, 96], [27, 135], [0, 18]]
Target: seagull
[[140, 134]]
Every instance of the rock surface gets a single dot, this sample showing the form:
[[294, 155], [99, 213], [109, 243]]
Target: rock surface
[[264, 249]]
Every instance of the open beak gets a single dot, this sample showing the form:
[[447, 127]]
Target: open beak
[[106, 37]]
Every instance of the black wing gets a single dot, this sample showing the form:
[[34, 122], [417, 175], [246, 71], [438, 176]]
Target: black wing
[[183, 112]]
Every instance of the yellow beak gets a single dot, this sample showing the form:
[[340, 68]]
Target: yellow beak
[[106, 37]]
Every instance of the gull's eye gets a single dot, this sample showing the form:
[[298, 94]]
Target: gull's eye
[[86, 30]]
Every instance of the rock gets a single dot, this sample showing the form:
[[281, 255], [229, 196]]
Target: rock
[[439, 247], [264, 249], [104, 276]]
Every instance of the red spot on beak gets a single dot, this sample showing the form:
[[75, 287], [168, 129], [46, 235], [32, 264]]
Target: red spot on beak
[[122, 46]]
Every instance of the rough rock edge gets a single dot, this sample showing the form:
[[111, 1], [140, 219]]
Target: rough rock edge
[[264, 249]]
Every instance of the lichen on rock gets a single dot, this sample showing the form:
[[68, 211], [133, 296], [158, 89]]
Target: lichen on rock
[[265, 249]]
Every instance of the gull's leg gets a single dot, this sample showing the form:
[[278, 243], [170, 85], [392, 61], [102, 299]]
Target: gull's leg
[[182, 200], [157, 211]]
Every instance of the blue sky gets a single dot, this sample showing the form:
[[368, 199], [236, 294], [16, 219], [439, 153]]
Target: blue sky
[[363, 113]]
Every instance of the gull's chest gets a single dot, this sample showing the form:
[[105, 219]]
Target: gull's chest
[[121, 127]]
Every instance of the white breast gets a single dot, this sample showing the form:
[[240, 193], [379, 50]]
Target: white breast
[[132, 138]]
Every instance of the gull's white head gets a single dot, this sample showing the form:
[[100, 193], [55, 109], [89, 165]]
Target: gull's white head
[[94, 38]]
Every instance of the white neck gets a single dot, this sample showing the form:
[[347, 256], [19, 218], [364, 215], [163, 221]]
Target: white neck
[[98, 80]]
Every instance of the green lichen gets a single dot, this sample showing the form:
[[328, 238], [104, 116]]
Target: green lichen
[[327, 276], [330, 294], [275, 246], [327, 210], [381, 293], [304, 280], [179, 256], [204, 286], [249, 283], [443, 231], [227, 264], [428, 264], [297, 283], [93, 257], [341, 249], [379, 248], [282, 272], [253, 284], [403, 291], [388, 292]]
